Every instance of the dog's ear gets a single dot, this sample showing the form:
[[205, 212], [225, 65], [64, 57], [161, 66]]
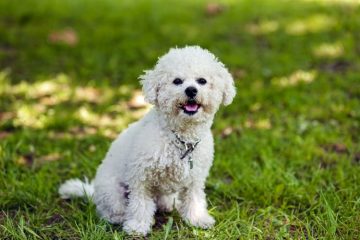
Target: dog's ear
[[229, 90], [149, 86]]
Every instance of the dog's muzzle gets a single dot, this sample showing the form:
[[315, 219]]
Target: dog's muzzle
[[191, 106]]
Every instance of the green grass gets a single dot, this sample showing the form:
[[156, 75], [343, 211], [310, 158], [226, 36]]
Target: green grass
[[287, 163]]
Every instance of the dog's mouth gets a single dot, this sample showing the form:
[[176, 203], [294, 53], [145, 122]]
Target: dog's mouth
[[191, 107]]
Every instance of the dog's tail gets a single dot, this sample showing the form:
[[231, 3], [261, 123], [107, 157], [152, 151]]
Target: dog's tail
[[74, 188]]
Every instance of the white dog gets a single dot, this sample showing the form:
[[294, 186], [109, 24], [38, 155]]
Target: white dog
[[162, 161]]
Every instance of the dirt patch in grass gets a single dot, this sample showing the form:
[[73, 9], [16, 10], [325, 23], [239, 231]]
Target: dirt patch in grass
[[339, 66], [4, 134], [53, 219], [338, 148]]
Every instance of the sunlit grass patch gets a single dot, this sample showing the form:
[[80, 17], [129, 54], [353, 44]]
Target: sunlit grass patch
[[259, 124], [60, 89], [263, 27], [31, 116], [41, 104], [329, 50], [297, 77], [313, 24]]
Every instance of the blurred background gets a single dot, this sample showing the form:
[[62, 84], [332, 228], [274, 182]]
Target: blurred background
[[287, 149]]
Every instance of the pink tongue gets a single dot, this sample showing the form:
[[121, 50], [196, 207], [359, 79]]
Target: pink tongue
[[191, 107]]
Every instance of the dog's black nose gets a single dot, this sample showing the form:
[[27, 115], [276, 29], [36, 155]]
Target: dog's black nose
[[191, 91]]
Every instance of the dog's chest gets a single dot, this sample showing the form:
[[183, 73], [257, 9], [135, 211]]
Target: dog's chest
[[169, 173]]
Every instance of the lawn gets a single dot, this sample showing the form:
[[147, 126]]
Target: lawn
[[287, 162]]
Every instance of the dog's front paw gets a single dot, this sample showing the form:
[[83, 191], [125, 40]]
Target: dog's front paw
[[204, 221], [134, 227]]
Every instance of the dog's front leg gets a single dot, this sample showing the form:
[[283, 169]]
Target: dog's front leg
[[193, 206], [140, 211]]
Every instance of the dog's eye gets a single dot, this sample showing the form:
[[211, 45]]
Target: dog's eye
[[177, 81], [201, 81]]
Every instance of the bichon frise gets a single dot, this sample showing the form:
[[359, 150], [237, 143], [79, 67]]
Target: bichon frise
[[162, 160]]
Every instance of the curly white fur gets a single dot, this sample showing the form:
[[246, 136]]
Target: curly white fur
[[76, 188], [143, 171]]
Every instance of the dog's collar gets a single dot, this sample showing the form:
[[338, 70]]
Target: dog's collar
[[186, 148]]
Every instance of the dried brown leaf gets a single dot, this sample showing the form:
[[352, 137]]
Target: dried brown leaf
[[49, 101], [213, 9], [239, 73], [66, 36], [89, 94], [336, 147], [226, 132], [4, 134], [4, 116]]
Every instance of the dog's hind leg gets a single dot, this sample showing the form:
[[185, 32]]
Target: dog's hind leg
[[111, 199]]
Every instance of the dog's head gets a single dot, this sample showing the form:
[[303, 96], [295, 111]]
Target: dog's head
[[188, 84]]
